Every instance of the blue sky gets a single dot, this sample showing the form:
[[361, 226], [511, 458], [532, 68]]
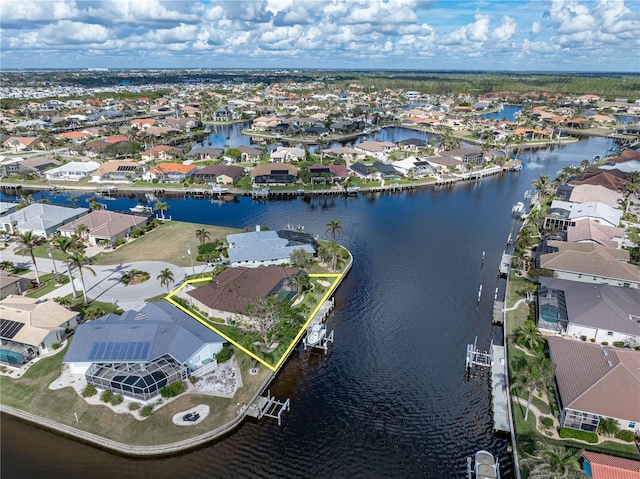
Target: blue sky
[[559, 35]]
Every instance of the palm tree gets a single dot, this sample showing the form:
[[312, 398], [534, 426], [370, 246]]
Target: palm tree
[[553, 461], [66, 245], [203, 235], [531, 374], [334, 251], [166, 278], [302, 282], [29, 241], [541, 184], [608, 426], [162, 207], [73, 199], [334, 227], [529, 335], [81, 262]]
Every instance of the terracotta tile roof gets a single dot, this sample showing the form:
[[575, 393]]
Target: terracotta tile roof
[[590, 230], [590, 378], [116, 139], [164, 168], [631, 154], [608, 179], [235, 288], [584, 193], [611, 467]]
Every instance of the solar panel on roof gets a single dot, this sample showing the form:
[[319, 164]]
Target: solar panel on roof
[[8, 328], [126, 168], [113, 351], [145, 349]]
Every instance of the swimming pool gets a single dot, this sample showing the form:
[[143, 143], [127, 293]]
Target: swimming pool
[[549, 313], [11, 357]]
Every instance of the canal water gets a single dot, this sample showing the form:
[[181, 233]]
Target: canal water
[[391, 400]]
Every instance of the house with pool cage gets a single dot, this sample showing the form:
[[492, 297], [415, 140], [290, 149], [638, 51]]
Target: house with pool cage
[[137, 353], [30, 328]]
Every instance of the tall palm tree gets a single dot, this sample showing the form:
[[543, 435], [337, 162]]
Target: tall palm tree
[[166, 278], [530, 336], [66, 245], [203, 235], [541, 184], [334, 227], [531, 374], [29, 241], [78, 260], [608, 426], [162, 207], [334, 250], [553, 461]]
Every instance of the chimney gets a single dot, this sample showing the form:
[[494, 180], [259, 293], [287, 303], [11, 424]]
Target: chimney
[[257, 227]]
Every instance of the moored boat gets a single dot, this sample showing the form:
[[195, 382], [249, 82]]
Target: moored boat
[[141, 209], [517, 209], [486, 466], [316, 334]]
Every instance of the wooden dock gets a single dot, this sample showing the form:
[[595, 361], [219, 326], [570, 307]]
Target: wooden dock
[[499, 393]]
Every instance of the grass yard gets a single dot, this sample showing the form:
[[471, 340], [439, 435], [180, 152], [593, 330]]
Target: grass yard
[[49, 283], [31, 393], [167, 243]]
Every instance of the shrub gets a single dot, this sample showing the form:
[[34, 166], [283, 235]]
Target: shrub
[[625, 435], [146, 411], [116, 399], [618, 344], [593, 340], [93, 312], [119, 242], [547, 422], [177, 388], [537, 272], [604, 343], [106, 396], [223, 355], [136, 233], [570, 433], [165, 392], [134, 406], [89, 391], [208, 248], [55, 345]]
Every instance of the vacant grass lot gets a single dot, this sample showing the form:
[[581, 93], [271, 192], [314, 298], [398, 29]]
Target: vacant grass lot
[[31, 393], [167, 243]]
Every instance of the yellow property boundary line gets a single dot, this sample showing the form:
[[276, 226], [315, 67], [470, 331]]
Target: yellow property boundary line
[[336, 277]]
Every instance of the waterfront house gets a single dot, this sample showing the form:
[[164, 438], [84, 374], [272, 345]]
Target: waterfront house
[[142, 123], [41, 218], [468, 157], [205, 153], [284, 154], [607, 178], [562, 214], [274, 174], [137, 353], [595, 312], [376, 149], [170, 172], [72, 171], [264, 248], [595, 193], [603, 466], [30, 327], [117, 172], [331, 172], [220, 174], [591, 263], [236, 288], [104, 226], [160, 153], [595, 382], [29, 166], [592, 231], [248, 154], [442, 164]]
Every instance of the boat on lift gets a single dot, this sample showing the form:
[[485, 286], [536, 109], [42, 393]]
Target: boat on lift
[[316, 334], [518, 209], [141, 209], [485, 467]]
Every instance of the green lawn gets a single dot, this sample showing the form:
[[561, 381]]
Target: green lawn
[[49, 283], [31, 393], [166, 243]]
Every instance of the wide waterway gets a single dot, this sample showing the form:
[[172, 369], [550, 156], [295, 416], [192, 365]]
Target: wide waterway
[[391, 400]]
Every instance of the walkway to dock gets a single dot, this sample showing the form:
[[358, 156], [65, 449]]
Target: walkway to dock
[[499, 393]]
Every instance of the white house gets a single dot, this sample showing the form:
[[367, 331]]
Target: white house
[[41, 218], [264, 248], [72, 171]]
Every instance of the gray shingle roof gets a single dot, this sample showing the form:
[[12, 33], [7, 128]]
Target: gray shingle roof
[[261, 246]]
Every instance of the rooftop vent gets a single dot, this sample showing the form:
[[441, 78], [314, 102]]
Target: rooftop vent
[[610, 363]]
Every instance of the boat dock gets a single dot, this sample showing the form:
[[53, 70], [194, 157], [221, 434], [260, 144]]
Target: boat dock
[[499, 393], [505, 264], [498, 312], [317, 335], [268, 406]]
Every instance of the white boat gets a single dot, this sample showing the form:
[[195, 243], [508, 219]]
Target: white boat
[[217, 188], [517, 209], [316, 334], [141, 209], [486, 466]]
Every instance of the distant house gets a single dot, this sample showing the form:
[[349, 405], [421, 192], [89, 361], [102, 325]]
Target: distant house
[[137, 353], [597, 312], [595, 382], [591, 263], [443, 163], [236, 288], [104, 226], [32, 166], [181, 123], [160, 153], [376, 149], [72, 171], [30, 327], [346, 153], [41, 218], [469, 158], [333, 172], [221, 174], [265, 248], [12, 284], [248, 154], [284, 154], [117, 172], [274, 174], [206, 153], [376, 170], [22, 143], [170, 172]]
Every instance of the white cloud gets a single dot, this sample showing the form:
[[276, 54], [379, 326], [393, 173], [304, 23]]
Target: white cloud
[[536, 28], [506, 30], [20, 10], [181, 33]]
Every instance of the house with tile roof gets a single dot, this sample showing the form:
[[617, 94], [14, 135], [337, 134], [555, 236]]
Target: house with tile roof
[[117, 171], [603, 466], [274, 174], [160, 153], [72, 171], [285, 154], [41, 218], [170, 172], [591, 231], [597, 312], [591, 263], [595, 193], [30, 327], [562, 214], [139, 352], [595, 382], [220, 174], [607, 178], [104, 226], [236, 288]]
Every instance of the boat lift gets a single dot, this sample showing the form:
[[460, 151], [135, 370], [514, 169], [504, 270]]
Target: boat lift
[[268, 406], [477, 361]]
